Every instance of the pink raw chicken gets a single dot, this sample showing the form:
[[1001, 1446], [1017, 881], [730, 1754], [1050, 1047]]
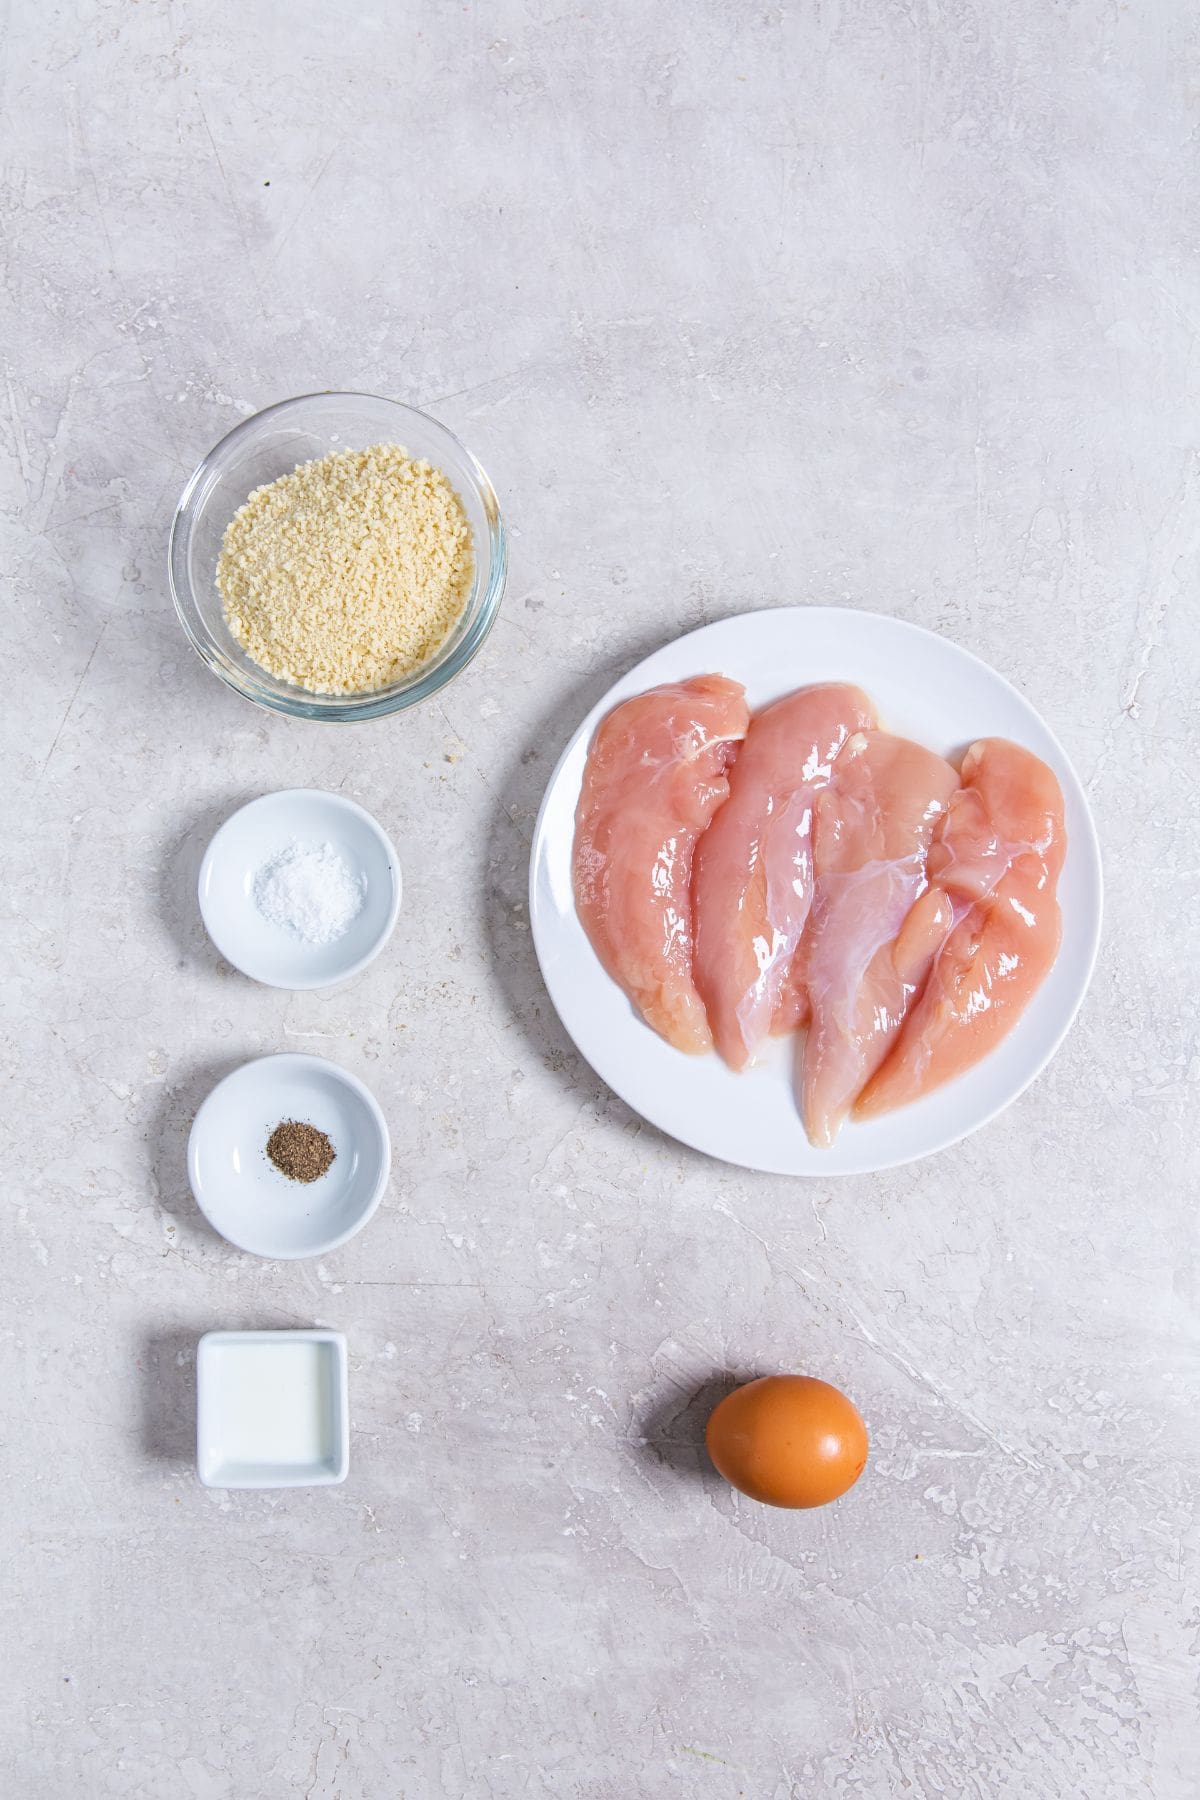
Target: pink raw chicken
[[792, 1011], [871, 936], [752, 885], [997, 860], [655, 776]]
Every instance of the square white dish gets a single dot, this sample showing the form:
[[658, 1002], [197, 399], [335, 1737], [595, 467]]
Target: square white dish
[[272, 1409]]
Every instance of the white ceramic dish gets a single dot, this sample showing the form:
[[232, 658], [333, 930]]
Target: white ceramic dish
[[926, 688], [252, 1203], [252, 837], [272, 1409]]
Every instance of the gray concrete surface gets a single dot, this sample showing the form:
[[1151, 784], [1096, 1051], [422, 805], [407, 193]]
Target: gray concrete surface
[[890, 305]]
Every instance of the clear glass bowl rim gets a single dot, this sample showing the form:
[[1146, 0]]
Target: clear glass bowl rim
[[335, 708]]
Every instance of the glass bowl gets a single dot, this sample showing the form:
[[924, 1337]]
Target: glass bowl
[[271, 444]]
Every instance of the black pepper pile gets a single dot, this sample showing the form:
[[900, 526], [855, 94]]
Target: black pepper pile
[[300, 1151]]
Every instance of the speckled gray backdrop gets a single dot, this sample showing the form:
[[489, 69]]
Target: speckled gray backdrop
[[891, 305]]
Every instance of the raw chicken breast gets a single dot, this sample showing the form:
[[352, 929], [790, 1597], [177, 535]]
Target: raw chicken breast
[[752, 885], [870, 938], [997, 860], [793, 1010], [655, 776]]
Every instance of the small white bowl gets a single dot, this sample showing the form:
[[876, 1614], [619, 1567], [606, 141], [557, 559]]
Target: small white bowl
[[252, 1203], [252, 838], [272, 1409]]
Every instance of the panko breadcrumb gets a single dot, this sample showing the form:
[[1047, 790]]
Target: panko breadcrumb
[[350, 572]]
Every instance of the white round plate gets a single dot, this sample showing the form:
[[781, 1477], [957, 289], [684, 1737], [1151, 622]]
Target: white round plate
[[252, 1203], [252, 837], [925, 688]]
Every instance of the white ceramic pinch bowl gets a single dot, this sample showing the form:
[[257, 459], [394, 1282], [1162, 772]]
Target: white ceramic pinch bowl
[[253, 838], [272, 1409], [255, 1205]]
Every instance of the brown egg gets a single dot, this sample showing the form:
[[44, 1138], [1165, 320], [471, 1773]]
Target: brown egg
[[788, 1440]]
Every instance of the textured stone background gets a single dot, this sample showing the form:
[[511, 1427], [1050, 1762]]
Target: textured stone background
[[891, 305]]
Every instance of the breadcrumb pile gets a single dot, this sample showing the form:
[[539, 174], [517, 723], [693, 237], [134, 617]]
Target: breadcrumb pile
[[350, 572]]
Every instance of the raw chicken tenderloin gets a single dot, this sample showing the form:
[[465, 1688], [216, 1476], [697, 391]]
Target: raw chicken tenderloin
[[997, 860], [752, 883], [655, 776], [793, 1009], [870, 939]]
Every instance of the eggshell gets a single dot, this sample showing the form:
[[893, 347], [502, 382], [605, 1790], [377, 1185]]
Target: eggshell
[[788, 1440]]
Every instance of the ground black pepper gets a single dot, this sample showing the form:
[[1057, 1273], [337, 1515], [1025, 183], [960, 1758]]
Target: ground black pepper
[[300, 1151]]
